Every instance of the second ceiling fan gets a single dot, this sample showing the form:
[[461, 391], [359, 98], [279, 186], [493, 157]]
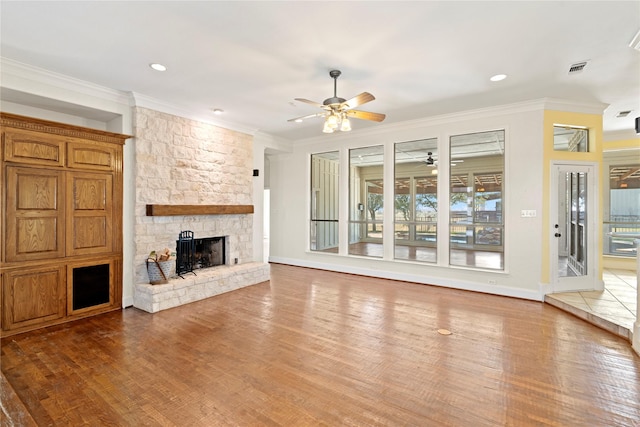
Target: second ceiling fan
[[337, 111]]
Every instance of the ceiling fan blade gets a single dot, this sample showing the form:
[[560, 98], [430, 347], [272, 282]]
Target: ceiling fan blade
[[307, 117], [306, 101], [357, 100], [365, 115]]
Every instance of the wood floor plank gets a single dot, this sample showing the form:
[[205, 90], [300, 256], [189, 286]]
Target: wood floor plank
[[313, 348]]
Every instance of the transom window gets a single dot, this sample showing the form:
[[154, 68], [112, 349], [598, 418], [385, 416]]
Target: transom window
[[568, 138]]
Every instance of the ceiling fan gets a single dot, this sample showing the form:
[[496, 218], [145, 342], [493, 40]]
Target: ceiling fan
[[337, 110], [430, 161]]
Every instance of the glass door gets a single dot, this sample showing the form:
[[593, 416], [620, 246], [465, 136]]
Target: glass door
[[570, 225], [574, 228]]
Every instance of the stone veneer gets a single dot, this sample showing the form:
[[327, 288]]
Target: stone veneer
[[185, 162], [207, 283]]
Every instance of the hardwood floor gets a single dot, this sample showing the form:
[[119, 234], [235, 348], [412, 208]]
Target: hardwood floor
[[319, 348]]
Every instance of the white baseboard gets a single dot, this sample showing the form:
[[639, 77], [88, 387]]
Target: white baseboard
[[447, 283]]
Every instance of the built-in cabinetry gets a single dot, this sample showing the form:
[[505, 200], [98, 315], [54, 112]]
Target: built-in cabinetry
[[61, 204]]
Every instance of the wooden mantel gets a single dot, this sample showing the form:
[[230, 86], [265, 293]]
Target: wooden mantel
[[174, 210]]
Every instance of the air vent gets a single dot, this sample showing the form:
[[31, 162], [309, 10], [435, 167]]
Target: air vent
[[624, 113], [577, 67]]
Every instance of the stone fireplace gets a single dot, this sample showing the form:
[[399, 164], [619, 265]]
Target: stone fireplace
[[188, 174]]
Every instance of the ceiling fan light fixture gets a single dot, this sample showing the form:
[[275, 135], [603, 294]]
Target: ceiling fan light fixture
[[327, 127], [332, 121], [345, 126], [338, 110]]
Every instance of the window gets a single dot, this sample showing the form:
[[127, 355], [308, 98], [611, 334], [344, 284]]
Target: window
[[476, 228], [487, 208], [416, 202], [325, 174], [567, 138], [624, 209], [474, 169], [366, 201]]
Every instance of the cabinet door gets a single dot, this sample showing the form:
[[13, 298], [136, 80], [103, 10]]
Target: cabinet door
[[32, 296], [94, 156], [22, 146], [89, 213], [35, 214]]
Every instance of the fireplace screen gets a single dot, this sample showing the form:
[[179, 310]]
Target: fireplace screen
[[193, 254]]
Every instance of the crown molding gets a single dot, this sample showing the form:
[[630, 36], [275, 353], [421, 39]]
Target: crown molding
[[144, 101], [575, 106], [13, 73], [475, 114], [271, 142], [621, 135], [25, 78]]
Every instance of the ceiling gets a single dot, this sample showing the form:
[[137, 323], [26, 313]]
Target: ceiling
[[419, 59]]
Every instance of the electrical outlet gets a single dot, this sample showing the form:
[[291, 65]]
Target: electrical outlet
[[528, 213], [492, 282]]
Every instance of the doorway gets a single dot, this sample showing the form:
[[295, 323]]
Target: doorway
[[574, 220], [266, 224]]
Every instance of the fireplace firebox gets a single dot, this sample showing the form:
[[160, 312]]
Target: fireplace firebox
[[193, 254]]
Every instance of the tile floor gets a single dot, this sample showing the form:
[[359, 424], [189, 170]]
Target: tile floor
[[614, 309]]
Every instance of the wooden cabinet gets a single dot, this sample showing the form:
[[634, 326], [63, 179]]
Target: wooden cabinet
[[61, 200]]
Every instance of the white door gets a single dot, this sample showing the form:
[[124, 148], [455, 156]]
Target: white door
[[574, 232]]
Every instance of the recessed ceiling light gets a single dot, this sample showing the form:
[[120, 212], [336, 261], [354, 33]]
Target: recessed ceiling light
[[158, 67], [498, 77], [217, 111]]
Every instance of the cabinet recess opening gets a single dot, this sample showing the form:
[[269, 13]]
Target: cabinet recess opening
[[90, 286]]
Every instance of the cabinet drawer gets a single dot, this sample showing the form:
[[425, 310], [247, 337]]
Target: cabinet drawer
[[22, 146]]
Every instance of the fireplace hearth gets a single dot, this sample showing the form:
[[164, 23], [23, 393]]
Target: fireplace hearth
[[194, 254]]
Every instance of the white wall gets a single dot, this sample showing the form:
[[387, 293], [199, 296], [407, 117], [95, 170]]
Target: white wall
[[287, 175], [289, 183]]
